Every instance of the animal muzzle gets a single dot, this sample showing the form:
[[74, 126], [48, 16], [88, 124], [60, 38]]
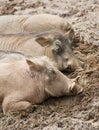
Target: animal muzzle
[[75, 88], [75, 65]]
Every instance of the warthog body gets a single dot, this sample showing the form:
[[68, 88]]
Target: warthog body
[[30, 81], [12, 24], [52, 44]]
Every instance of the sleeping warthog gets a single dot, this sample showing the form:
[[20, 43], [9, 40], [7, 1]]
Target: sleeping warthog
[[50, 43], [12, 24], [30, 81]]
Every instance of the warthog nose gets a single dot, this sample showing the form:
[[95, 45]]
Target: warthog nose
[[76, 64], [68, 68], [76, 89], [70, 65], [65, 66]]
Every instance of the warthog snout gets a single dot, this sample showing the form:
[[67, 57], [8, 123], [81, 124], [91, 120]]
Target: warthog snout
[[72, 64]]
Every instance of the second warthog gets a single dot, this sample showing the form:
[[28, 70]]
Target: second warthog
[[51, 43], [30, 81], [12, 24]]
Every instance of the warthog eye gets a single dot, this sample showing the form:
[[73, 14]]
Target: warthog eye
[[58, 49], [51, 73]]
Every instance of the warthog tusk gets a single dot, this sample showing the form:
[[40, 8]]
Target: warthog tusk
[[49, 92]]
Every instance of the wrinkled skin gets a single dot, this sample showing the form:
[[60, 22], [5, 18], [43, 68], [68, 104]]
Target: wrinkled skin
[[30, 81], [12, 24], [51, 43], [9, 56]]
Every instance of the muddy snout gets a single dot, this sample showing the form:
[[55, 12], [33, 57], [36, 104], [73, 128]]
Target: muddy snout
[[73, 64], [75, 88]]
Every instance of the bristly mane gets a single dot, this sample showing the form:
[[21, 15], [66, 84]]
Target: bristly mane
[[35, 34], [9, 52], [57, 35]]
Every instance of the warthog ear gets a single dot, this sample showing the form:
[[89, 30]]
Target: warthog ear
[[44, 41], [34, 66], [69, 32], [70, 36]]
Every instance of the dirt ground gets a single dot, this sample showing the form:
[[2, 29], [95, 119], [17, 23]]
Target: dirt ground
[[66, 113]]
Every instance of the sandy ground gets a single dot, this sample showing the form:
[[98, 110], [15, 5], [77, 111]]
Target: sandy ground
[[67, 113]]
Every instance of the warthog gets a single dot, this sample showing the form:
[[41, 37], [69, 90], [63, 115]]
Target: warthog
[[12, 24], [30, 81], [51, 43]]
